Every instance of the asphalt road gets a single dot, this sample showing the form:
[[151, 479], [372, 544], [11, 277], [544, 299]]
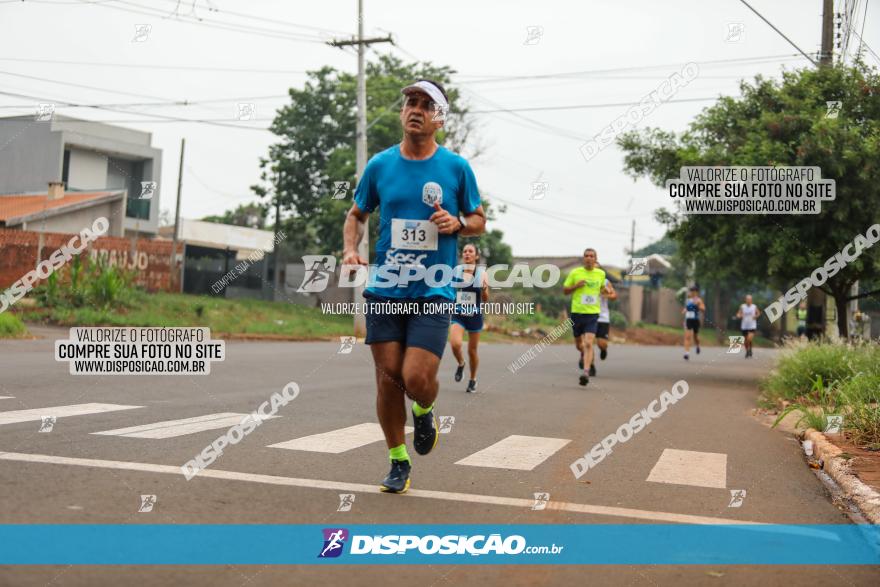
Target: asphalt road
[[721, 447]]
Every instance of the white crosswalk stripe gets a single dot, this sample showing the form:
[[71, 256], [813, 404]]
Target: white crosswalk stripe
[[338, 441], [687, 467], [522, 453], [16, 416], [173, 428]]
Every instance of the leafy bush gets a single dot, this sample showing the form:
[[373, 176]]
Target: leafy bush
[[94, 284], [11, 326], [845, 379], [801, 363], [814, 411], [618, 320]]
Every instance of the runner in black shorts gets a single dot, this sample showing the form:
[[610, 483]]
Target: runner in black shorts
[[693, 305], [472, 289], [604, 326], [585, 285], [426, 196]]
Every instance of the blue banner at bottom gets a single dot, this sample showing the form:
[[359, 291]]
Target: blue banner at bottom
[[605, 544]]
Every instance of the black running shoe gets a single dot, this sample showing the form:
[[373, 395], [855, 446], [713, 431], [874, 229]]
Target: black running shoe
[[472, 386], [686, 357], [603, 353], [425, 434], [698, 350], [584, 380], [459, 372], [581, 362], [592, 370], [397, 480]]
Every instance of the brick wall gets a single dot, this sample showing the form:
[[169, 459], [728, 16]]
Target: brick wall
[[20, 251]]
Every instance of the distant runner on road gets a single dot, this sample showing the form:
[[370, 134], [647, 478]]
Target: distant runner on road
[[748, 314], [585, 285], [427, 196], [467, 315], [604, 325], [693, 306]]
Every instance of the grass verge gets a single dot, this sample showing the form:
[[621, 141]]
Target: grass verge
[[11, 326]]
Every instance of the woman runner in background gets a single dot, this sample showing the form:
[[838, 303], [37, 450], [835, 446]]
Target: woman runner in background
[[467, 315]]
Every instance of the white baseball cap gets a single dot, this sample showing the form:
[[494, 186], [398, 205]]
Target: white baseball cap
[[433, 91]]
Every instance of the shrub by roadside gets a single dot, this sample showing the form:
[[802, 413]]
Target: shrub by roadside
[[11, 326], [822, 379]]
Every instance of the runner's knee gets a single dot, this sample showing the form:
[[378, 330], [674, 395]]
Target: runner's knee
[[416, 381]]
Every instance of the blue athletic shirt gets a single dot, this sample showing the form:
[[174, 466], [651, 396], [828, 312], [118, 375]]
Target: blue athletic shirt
[[404, 191], [692, 310], [469, 292]]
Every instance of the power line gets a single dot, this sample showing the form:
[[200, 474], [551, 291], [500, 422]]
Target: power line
[[586, 106], [220, 25], [161, 117], [204, 68], [790, 42], [569, 74]]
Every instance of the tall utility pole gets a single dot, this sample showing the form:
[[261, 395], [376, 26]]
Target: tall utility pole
[[827, 32], [276, 272], [632, 248], [360, 321], [177, 218]]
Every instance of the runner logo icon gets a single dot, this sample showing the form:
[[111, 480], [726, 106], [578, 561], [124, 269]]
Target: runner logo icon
[[334, 541], [737, 496], [346, 500], [319, 268], [638, 265], [340, 190], [47, 423], [736, 344]]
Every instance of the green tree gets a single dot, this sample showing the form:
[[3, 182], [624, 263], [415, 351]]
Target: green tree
[[252, 215], [778, 122], [666, 246], [493, 249], [317, 144]]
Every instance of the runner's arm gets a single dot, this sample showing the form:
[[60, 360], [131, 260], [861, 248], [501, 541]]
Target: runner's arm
[[484, 291], [473, 224], [352, 234], [570, 289], [739, 313], [611, 292]]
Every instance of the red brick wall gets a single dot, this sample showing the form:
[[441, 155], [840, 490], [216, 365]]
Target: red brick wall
[[149, 259]]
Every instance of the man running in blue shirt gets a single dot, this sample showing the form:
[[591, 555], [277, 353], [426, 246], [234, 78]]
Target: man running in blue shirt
[[427, 196]]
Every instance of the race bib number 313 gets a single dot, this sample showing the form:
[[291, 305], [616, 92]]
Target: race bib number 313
[[413, 234]]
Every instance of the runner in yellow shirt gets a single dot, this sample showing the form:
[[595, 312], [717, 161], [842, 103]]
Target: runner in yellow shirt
[[585, 285]]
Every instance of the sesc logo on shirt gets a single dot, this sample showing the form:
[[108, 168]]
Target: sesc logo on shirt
[[431, 193]]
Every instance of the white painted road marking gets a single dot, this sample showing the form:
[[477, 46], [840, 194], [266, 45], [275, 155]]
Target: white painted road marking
[[172, 428], [7, 397], [338, 441], [687, 467], [522, 453], [373, 488], [17, 416]]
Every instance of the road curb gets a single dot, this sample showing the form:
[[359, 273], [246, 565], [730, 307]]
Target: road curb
[[865, 498]]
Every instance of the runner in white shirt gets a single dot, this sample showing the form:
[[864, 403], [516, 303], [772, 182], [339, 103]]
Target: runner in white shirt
[[604, 324], [748, 314]]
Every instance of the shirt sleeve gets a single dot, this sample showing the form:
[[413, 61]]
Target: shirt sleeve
[[469, 196], [569, 279], [365, 196]]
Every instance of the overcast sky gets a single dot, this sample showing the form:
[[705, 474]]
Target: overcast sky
[[588, 203]]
